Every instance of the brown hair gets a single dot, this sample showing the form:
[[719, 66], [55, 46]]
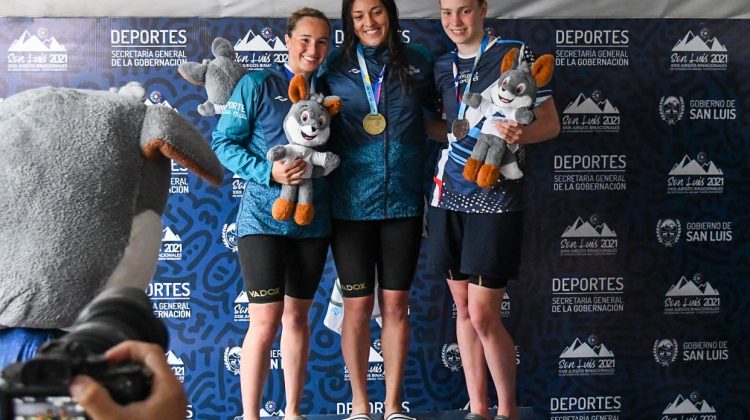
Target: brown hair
[[398, 64], [304, 12]]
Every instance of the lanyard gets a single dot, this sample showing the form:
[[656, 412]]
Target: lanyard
[[289, 74], [372, 98], [459, 96]]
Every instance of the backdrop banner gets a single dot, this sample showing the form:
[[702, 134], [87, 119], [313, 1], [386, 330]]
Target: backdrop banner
[[633, 300]]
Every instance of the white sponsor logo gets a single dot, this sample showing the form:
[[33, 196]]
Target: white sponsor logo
[[177, 365], [276, 361], [688, 297], [259, 51], [376, 369], [376, 407], [705, 351], [170, 299], [708, 232], [178, 182], [592, 237], [147, 47], [665, 351], [699, 52], [238, 186], [338, 36], [587, 294], [229, 236], [671, 109], [591, 48], [271, 409], [171, 246], [594, 114], [592, 407], [668, 231], [451, 357], [694, 404], [585, 358], [589, 173], [157, 98], [37, 52], [695, 176], [232, 357], [241, 311], [505, 306]]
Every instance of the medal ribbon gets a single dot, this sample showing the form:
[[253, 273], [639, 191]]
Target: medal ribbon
[[372, 90], [459, 96]]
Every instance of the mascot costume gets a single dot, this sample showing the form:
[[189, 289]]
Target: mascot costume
[[85, 181]]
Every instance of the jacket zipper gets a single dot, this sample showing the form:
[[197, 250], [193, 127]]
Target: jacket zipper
[[384, 98]]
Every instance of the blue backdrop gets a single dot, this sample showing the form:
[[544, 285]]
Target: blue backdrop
[[633, 301]]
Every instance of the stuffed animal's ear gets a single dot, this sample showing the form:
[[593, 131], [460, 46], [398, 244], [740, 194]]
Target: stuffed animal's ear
[[166, 134], [194, 73], [542, 69], [509, 60], [222, 48], [297, 88], [332, 104]]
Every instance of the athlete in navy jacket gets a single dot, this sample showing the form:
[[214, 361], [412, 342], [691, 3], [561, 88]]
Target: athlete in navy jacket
[[475, 234], [377, 191]]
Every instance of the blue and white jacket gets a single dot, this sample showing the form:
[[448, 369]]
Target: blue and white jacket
[[252, 123], [380, 176]]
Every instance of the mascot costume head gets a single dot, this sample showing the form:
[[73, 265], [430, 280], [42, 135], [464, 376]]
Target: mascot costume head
[[85, 179]]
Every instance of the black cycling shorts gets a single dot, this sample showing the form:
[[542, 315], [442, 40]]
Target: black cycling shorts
[[274, 266], [362, 248]]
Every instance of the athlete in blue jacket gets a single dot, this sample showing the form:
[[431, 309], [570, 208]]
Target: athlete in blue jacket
[[377, 191], [281, 262], [475, 234]]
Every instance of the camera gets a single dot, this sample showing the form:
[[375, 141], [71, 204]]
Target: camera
[[39, 386]]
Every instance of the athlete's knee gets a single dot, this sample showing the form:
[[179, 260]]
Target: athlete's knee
[[261, 334], [483, 320], [296, 320], [397, 311], [358, 308]]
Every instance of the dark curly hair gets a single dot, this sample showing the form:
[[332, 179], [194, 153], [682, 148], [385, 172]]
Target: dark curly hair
[[398, 64]]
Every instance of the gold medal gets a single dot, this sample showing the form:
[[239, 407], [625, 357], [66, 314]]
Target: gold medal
[[374, 124], [460, 128]]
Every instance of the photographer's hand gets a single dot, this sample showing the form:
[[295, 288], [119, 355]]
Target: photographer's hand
[[167, 400]]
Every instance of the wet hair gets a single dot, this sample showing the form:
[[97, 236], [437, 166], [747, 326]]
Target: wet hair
[[398, 64], [304, 12]]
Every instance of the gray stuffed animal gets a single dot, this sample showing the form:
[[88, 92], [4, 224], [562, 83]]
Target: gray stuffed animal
[[307, 125], [511, 97], [85, 180], [219, 76]]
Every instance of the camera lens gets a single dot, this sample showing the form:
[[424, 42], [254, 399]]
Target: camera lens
[[116, 315]]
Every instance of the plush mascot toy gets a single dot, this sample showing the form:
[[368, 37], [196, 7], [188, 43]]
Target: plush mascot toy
[[219, 76], [307, 125], [511, 97], [85, 180]]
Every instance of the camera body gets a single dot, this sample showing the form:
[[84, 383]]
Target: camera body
[[40, 385]]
